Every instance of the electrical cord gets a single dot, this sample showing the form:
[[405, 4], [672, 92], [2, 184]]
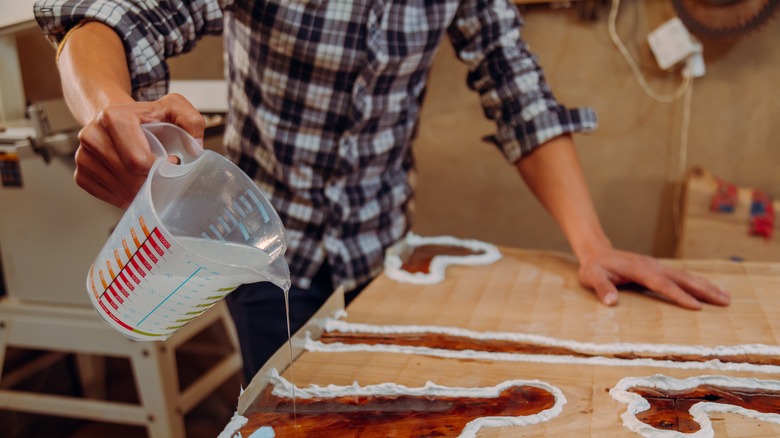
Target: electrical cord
[[682, 159], [2, 111], [684, 90], [663, 98]]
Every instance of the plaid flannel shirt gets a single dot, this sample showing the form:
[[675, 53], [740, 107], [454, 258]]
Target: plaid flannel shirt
[[325, 96]]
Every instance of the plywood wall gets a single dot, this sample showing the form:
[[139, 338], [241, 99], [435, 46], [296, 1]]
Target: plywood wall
[[632, 161]]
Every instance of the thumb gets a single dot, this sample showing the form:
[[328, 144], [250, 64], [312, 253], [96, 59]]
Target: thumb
[[605, 289], [180, 112]]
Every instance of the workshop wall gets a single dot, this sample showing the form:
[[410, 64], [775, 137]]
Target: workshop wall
[[39, 70], [467, 189], [631, 162]]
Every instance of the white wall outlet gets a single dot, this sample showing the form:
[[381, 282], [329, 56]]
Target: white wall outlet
[[694, 64], [671, 43]]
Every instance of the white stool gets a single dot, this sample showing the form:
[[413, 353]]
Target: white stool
[[61, 330]]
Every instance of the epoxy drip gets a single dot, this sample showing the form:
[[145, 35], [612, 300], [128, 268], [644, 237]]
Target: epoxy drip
[[419, 259], [670, 409], [459, 343], [368, 416]]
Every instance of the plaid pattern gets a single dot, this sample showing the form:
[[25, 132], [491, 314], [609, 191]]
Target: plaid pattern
[[325, 97]]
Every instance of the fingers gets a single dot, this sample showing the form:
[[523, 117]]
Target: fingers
[[684, 289], [604, 272], [700, 288], [99, 191], [650, 273], [671, 291], [605, 290], [114, 157], [181, 113], [101, 172], [122, 124]]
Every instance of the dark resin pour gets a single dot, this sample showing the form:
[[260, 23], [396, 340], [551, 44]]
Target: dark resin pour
[[419, 259], [389, 415], [669, 409], [451, 342]]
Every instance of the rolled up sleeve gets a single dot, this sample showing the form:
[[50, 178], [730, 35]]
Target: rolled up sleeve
[[150, 31], [509, 79]]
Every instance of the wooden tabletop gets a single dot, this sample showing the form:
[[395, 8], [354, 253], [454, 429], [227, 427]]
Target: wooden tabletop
[[537, 293]]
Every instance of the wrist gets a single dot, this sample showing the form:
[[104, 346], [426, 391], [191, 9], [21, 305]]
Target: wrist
[[594, 243]]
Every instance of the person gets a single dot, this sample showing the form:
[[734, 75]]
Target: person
[[324, 102]]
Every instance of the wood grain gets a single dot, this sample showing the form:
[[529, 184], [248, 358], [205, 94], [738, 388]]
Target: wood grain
[[537, 292]]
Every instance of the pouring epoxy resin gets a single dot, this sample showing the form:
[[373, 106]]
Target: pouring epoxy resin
[[194, 232]]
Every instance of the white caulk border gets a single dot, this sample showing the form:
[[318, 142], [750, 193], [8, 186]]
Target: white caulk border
[[283, 388], [231, 430], [636, 403], [439, 263], [333, 325]]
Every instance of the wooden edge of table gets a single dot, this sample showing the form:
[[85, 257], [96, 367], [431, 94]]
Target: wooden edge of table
[[282, 358]]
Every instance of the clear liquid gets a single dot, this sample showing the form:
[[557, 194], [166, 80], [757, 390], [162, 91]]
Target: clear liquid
[[232, 254], [239, 260], [227, 253], [292, 370]]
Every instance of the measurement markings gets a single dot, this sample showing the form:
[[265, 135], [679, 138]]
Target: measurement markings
[[133, 262], [169, 296]]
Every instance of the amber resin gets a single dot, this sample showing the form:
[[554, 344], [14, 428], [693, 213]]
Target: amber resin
[[459, 343], [420, 257], [670, 409], [383, 416]]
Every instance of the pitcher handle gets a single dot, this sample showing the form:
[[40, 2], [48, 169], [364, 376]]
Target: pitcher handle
[[168, 139]]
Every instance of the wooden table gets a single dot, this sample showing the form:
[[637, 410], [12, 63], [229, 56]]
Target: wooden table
[[538, 293]]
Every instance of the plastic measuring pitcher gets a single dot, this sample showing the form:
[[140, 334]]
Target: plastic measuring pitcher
[[194, 232]]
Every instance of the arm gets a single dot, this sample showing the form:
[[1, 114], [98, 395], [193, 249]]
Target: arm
[[111, 56], [94, 71], [113, 157], [533, 132], [554, 175]]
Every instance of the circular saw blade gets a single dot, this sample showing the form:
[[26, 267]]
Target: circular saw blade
[[722, 18]]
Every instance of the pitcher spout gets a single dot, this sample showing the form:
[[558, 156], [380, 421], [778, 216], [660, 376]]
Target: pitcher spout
[[276, 272], [279, 273]]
